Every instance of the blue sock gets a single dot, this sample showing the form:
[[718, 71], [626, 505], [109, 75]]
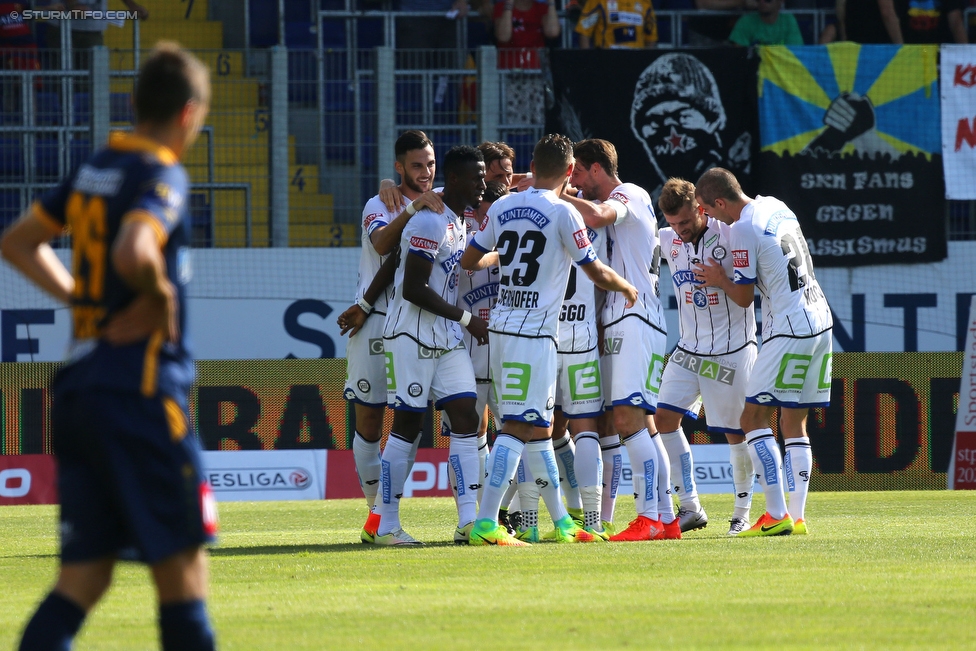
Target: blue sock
[[53, 626], [185, 627]]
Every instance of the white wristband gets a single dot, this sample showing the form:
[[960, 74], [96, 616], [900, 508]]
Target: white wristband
[[410, 210], [465, 318], [366, 307]]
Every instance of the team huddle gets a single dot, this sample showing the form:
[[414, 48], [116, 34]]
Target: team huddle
[[542, 307]]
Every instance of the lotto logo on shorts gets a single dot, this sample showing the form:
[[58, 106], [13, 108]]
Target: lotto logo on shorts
[[423, 244], [740, 258], [582, 239]]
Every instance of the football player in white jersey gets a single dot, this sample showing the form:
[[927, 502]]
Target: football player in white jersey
[[714, 356], [537, 237], [366, 364], [793, 369], [424, 348], [635, 336]]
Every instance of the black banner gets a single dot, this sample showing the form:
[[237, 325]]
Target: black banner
[[851, 142], [668, 113]]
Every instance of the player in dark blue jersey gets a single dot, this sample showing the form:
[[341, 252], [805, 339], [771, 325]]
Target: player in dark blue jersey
[[129, 471]]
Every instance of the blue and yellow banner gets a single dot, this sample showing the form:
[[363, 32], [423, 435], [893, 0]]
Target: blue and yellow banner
[[850, 140]]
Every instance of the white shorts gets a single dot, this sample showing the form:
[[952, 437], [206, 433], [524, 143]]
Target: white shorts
[[523, 372], [792, 372], [717, 380], [418, 374], [579, 384], [366, 364], [635, 354]]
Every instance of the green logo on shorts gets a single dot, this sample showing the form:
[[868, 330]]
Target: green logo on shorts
[[390, 378], [793, 371], [515, 381], [826, 371], [654, 372], [584, 381]]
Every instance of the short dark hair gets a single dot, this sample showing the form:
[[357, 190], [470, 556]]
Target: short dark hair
[[675, 195], [599, 151], [494, 191], [459, 156], [718, 183], [168, 79], [410, 140], [493, 151], [553, 155]]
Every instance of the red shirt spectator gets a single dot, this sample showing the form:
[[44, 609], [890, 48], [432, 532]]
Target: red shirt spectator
[[16, 40], [521, 29]]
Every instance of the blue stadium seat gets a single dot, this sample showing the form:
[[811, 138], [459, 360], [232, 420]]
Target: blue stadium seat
[[47, 108], [201, 220], [46, 157], [82, 108], [80, 149], [120, 107], [10, 207], [11, 158]]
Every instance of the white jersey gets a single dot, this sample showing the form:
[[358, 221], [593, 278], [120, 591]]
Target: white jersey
[[769, 249], [577, 317], [711, 323], [477, 293], [635, 253], [375, 215], [439, 239], [538, 236]]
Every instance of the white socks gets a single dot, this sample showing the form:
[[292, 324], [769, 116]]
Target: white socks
[[366, 454], [768, 462], [466, 475], [541, 462], [682, 468], [528, 495], [643, 464], [502, 463], [798, 464], [742, 478], [393, 475], [482, 459], [589, 475], [565, 452], [613, 463], [665, 507]]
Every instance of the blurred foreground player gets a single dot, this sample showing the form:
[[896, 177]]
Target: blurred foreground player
[[129, 471]]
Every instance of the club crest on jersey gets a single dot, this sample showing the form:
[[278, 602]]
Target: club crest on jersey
[[700, 299], [415, 389], [363, 385], [423, 244], [740, 258], [582, 239], [719, 253], [530, 214]]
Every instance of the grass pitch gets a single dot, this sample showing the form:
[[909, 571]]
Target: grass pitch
[[879, 570]]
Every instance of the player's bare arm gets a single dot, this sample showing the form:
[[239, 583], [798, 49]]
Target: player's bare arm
[[712, 274], [416, 273], [25, 246], [385, 238], [139, 262], [595, 215], [606, 278], [352, 320], [478, 259]]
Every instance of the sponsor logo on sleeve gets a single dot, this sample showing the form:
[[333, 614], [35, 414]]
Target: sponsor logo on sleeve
[[740, 258], [620, 196], [582, 239], [423, 244], [369, 219]]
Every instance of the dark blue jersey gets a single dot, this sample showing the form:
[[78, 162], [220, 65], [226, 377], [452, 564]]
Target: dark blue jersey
[[132, 178]]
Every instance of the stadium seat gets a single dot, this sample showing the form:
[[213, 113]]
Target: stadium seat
[[46, 157], [120, 107], [9, 207], [201, 220], [11, 158], [47, 109], [82, 108]]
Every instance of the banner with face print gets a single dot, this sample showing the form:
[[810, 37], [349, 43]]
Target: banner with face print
[[850, 141], [668, 113]]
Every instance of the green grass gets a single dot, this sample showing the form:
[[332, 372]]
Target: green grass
[[879, 570]]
